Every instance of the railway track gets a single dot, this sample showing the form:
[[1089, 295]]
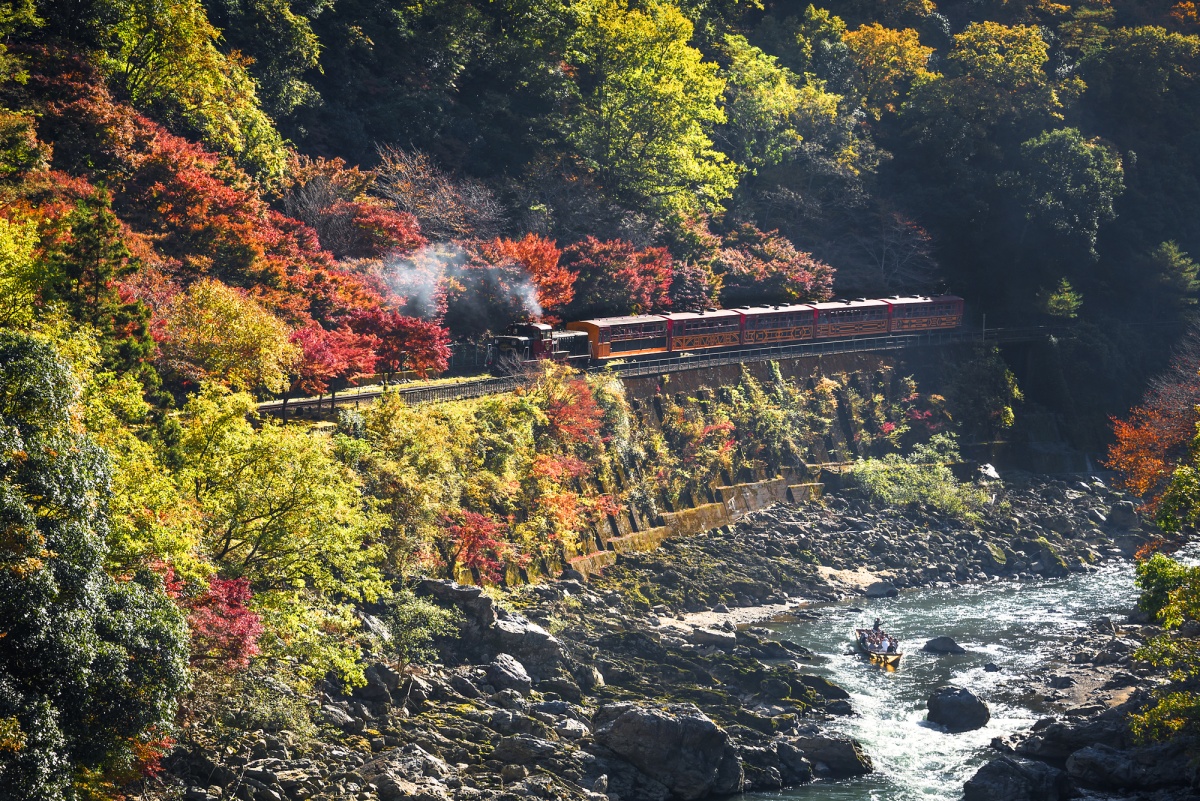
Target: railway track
[[673, 363]]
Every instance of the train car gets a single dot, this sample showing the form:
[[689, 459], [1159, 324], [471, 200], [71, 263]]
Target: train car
[[618, 337], [770, 325], [649, 334], [918, 313], [700, 330], [524, 342], [849, 318]]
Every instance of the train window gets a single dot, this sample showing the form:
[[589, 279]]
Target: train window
[[638, 331]]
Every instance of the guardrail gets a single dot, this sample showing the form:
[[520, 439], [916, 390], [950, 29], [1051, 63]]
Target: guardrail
[[682, 362]]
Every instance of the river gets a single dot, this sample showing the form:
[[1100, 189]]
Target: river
[[1010, 624]]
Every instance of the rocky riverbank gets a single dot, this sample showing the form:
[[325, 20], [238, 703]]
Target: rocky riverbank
[[640, 684], [1085, 745]]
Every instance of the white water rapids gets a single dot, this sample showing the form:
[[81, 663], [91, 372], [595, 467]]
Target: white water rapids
[[1011, 624]]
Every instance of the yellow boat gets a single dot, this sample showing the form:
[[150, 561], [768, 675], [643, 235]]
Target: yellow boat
[[877, 657]]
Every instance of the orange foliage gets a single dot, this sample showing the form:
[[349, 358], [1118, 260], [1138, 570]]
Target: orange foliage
[[1152, 441], [540, 257], [1146, 449], [1185, 15], [572, 413]]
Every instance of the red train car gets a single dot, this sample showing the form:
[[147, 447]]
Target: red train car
[[700, 330], [639, 335], [851, 318], [925, 314], [772, 325]]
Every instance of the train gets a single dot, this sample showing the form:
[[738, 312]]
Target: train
[[587, 342]]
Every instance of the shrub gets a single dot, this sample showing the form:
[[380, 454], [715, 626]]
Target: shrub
[[921, 478], [415, 624]]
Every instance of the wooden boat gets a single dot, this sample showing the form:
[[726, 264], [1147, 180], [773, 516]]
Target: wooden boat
[[876, 656]]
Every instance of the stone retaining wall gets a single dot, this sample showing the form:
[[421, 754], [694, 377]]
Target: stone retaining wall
[[734, 502]]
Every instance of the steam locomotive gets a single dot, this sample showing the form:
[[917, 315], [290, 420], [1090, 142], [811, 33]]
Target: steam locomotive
[[605, 338]]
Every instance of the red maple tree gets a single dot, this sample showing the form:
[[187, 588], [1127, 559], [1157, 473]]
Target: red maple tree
[[765, 267], [476, 542], [332, 355], [224, 629], [405, 343], [617, 278]]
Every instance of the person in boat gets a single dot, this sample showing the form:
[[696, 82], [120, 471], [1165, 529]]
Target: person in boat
[[892, 643], [878, 625]]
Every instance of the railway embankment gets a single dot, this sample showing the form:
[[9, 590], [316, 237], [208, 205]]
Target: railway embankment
[[651, 679]]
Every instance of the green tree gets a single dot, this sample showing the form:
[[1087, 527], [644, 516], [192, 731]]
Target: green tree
[[21, 275], [1176, 272], [414, 625], [1069, 183], [276, 508], [646, 100], [983, 394], [761, 102], [166, 59], [278, 38], [994, 82], [90, 666], [1062, 301], [84, 257]]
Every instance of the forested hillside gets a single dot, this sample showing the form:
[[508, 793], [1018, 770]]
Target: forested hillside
[[208, 202]]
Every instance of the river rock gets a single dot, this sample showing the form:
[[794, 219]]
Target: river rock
[[478, 607], [943, 645], [539, 651], [1123, 515], [679, 747], [523, 748], [408, 772], [834, 757], [958, 709], [823, 687], [1015, 779], [881, 589]]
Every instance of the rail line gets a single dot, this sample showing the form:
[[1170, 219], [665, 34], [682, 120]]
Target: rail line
[[674, 363]]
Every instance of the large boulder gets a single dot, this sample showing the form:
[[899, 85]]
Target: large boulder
[[521, 749], [823, 687], [834, 757], [943, 645], [721, 639], [679, 746], [1014, 779], [1054, 741], [958, 709], [538, 650], [506, 673], [1104, 768], [478, 608], [881, 589]]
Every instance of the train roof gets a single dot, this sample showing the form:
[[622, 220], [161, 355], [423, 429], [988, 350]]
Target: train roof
[[860, 303], [899, 300], [706, 315], [606, 322], [782, 309]]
